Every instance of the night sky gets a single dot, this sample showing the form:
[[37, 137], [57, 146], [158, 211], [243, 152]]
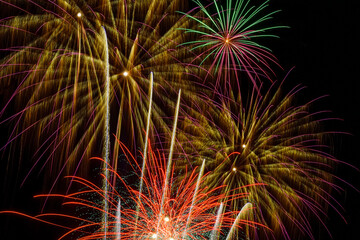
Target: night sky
[[322, 44]]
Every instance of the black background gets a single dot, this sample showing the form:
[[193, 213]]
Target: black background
[[322, 44]]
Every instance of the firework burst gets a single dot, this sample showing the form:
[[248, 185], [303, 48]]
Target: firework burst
[[54, 67], [269, 140], [67, 66], [189, 211], [229, 41]]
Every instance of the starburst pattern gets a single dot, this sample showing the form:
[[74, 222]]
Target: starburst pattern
[[54, 68], [274, 141], [229, 41], [186, 212], [66, 66]]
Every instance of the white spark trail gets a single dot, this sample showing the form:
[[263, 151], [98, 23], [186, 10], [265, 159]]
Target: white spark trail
[[106, 149]]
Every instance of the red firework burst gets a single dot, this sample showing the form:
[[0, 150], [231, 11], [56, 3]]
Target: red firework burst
[[167, 208]]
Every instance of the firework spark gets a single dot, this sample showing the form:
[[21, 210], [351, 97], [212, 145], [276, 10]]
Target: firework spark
[[64, 78], [268, 140], [54, 66], [166, 212], [228, 41]]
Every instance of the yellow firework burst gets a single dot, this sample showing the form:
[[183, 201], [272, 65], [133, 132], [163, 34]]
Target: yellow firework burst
[[270, 140], [55, 69]]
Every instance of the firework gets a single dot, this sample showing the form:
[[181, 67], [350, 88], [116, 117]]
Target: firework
[[229, 41], [55, 67], [166, 212], [270, 140], [67, 65]]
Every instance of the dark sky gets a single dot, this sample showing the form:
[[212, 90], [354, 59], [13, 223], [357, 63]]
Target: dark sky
[[323, 46]]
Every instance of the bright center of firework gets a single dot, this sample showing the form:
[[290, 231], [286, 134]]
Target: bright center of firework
[[227, 40], [244, 146], [154, 236], [234, 169], [126, 73], [171, 239], [79, 14], [166, 219]]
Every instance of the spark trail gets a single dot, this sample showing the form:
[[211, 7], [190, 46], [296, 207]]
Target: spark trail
[[147, 133], [168, 168], [241, 214], [118, 223], [194, 196], [106, 147], [215, 231], [146, 142]]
